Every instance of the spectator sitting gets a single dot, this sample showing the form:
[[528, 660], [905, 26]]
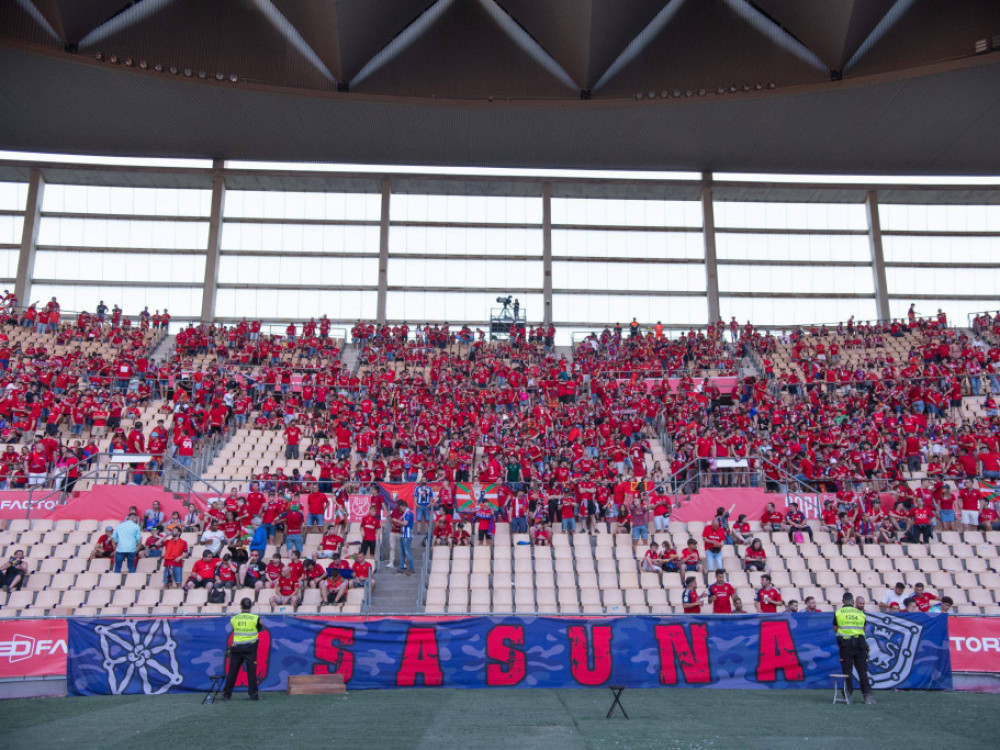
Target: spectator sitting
[[203, 574], [650, 562], [13, 572], [691, 557], [105, 546], [795, 520], [286, 590], [153, 546], [740, 533], [810, 603], [541, 536], [793, 605], [153, 517], [226, 573], [192, 518], [442, 531], [252, 573], [771, 520], [330, 545], [213, 538], [893, 596], [755, 558]]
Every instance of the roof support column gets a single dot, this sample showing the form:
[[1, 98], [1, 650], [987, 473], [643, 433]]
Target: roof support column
[[29, 237], [547, 252], [383, 255], [878, 259], [711, 262], [210, 289]]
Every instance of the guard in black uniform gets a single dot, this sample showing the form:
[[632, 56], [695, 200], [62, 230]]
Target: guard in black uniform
[[246, 629], [849, 623]]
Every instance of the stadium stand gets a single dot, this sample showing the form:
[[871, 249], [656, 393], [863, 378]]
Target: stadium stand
[[563, 439]]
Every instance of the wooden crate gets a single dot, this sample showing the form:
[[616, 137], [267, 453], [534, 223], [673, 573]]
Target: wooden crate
[[316, 684]]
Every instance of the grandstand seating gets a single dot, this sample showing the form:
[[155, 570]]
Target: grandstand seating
[[584, 573]]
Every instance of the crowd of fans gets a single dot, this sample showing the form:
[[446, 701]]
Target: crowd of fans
[[514, 432]]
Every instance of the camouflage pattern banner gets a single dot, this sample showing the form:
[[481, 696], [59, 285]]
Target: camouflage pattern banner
[[153, 656]]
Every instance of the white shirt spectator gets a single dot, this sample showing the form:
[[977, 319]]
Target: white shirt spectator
[[891, 597], [213, 540]]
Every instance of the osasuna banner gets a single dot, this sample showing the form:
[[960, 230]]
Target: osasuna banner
[[155, 656]]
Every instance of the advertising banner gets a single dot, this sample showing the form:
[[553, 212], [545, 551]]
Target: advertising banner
[[975, 644], [153, 656], [32, 648]]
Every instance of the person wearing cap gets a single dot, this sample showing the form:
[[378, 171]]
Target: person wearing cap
[[105, 546], [242, 653], [849, 625]]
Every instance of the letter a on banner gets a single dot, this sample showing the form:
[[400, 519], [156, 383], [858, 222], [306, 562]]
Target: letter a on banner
[[777, 652], [506, 664], [580, 654], [420, 657], [330, 649], [692, 654]]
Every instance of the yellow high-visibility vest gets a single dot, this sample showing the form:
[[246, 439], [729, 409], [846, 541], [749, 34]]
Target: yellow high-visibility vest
[[244, 628], [850, 622]]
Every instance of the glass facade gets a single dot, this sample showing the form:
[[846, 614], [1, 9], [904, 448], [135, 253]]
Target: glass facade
[[618, 248], [786, 263], [941, 258], [132, 246]]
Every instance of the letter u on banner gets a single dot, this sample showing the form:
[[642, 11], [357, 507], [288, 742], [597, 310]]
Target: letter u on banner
[[590, 666]]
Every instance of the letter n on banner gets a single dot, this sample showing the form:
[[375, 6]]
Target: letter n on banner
[[777, 652], [420, 657], [506, 665], [331, 649], [691, 653], [580, 654]]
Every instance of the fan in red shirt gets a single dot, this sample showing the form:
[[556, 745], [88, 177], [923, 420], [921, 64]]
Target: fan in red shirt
[[768, 598], [921, 598], [370, 527], [691, 599], [203, 572], [720, 594], [286, 589]]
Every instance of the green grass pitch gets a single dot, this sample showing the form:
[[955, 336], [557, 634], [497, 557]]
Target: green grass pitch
[[518, 719]]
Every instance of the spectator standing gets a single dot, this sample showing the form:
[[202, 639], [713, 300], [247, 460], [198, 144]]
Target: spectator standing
[[175, 550], [406, 540], [126, 537]]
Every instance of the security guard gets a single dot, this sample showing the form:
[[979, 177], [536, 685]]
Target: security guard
[[849, 624], [246, 627]]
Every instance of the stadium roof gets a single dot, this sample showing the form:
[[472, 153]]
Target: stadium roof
[[860, 86]]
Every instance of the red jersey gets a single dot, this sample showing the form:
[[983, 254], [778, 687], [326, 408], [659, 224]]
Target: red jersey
[[723, 602]]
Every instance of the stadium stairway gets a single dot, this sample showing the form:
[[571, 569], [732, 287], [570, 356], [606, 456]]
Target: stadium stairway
[[165, 350], [350, 356], [393, 592]]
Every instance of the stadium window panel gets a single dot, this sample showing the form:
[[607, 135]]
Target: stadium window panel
[[787, 312], [634, 276], [944, 250], [89, 265], [816, 216], [10, 229], [463, 209], [617, 212], [165, 235], [125, 201], [8, 263], [929, 282], [13, 196], [793, 247], [625, 244], [942, 218], [268, 204], [271, 304], [607, 309], [510, 275], [407, 240], [300, 238], [795, 279]]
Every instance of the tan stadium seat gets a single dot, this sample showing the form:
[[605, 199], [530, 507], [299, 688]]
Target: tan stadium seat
[[479, 581], [435, 600], [99, 598]]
